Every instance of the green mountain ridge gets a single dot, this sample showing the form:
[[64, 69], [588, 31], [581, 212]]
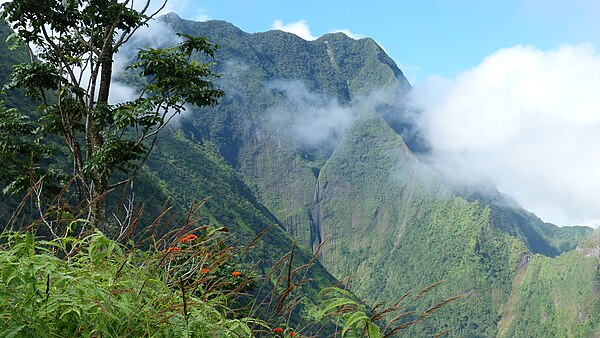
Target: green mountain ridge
[[384, 216]]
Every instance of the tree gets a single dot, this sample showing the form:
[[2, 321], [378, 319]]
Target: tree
[[70, 75]]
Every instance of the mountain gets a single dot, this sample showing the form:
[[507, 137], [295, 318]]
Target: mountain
[[309, 127], [184, 173], [554, 297], [311, 136]]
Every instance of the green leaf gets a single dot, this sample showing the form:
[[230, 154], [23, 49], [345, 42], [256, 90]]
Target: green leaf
[[373, 331], [12, 332], [334, 303], [353, 319]]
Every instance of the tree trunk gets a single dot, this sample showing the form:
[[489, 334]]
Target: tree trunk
[[100, 178], [98, 206]]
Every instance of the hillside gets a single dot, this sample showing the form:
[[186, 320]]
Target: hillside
[[304, 126], [308, 137], [177, 181]]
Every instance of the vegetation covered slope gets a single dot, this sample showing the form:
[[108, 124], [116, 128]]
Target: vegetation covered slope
[[9, 58], [389, 220], [263, 157], [555, 297], [191, 171], [176, 176]]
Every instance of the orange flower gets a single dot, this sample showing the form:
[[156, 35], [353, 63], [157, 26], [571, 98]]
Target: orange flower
[[205, 270], [169, 250], [236, 274], [292, 333], [278, 330], [188, 238]]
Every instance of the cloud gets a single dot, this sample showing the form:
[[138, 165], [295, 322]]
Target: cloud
[[348, 33], [231, 79], [527, 119], [300, 28], [308, 118], [157, 34], [201, 17], [411, 72]]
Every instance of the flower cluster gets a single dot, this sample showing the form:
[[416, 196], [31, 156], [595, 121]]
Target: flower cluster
[[279, 330], [187, 238], [172, 249]]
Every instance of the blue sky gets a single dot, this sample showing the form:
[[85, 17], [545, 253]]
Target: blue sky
[[440, 37]]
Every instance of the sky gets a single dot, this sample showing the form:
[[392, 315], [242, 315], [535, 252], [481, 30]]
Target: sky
[[430, 37], [506, 90]]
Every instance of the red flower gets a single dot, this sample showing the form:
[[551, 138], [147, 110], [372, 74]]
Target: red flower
[[292, 333], [236, 273], [188, 238], [278, 330], [205, 270], [169, 250]]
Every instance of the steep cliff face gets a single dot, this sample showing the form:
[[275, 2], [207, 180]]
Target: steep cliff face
[[310, 128], [394, 226], [287, 105], [554, 297]]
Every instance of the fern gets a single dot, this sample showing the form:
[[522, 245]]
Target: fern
[[99, 288]]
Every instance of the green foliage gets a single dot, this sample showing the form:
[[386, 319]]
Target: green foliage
[[96, 287], [10, 56], [73, 37], [177, 79], [194, 287], [554, 298], [19, 148], [389, 219], [355, 322]]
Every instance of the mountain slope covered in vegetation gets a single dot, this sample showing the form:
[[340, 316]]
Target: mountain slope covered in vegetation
[[307, 137], [307, 126]]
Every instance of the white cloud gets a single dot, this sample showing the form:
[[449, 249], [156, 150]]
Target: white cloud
[[411, 72], [201, 17], [300, 28], [348, 33], [527, 119], [307, 117]]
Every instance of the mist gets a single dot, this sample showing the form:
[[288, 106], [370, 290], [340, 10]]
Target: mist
[[156, 35], [526, 119], [307, 117]]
